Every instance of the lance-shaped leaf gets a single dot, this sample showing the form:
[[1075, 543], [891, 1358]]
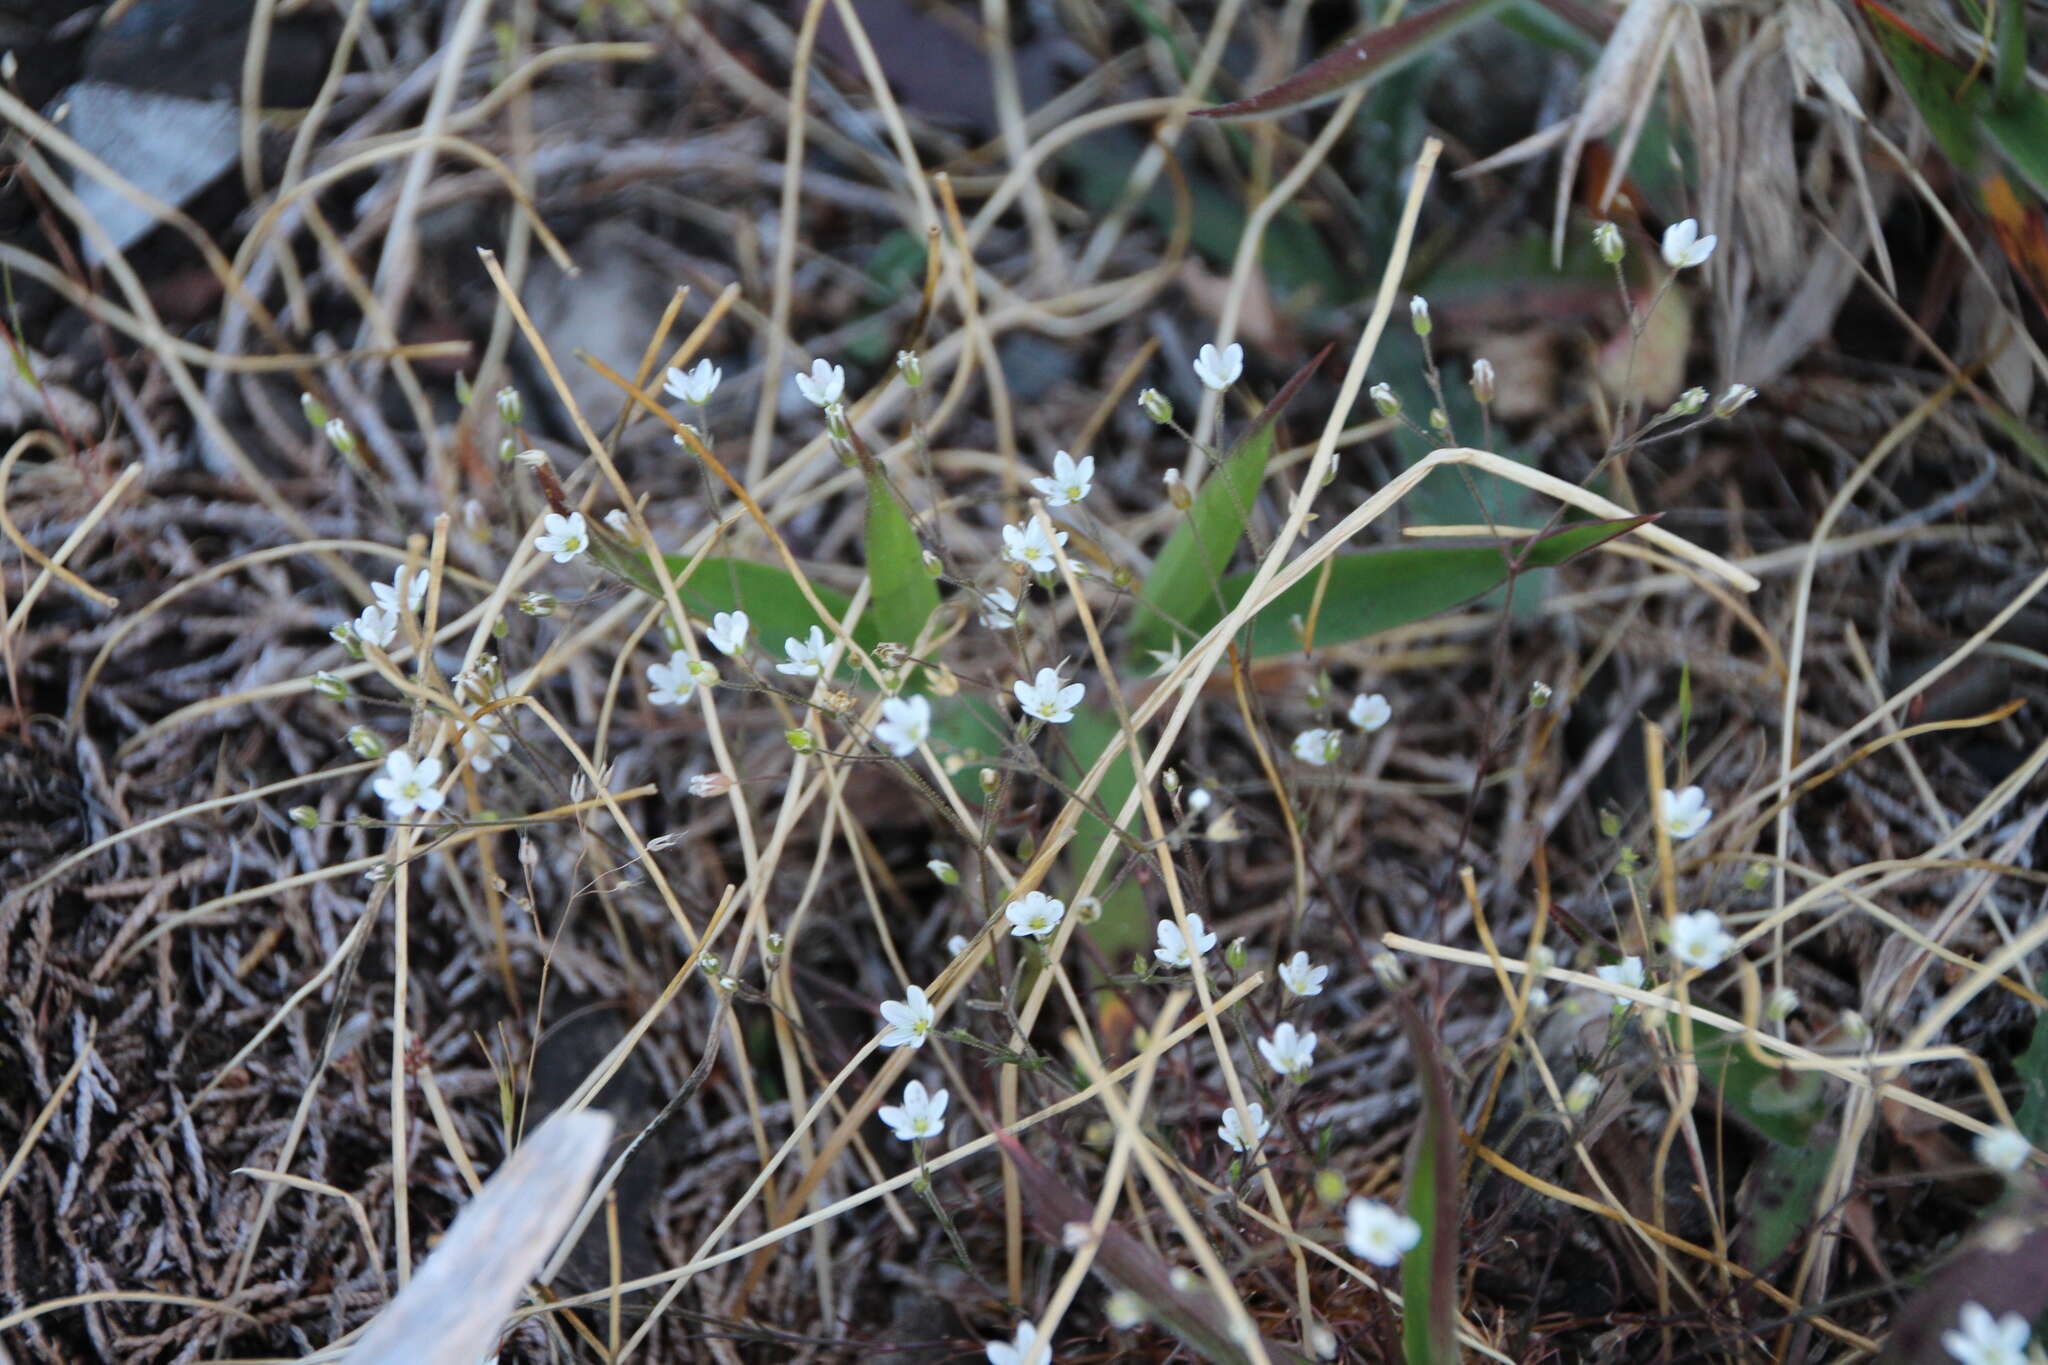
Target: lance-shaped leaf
[[1429, 1273], [1184, 577], [1358, 59], [1194, 1315], [904, 595]]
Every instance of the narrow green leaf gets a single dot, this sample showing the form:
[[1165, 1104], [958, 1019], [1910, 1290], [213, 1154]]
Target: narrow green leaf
[[1379, 590], [1126, 925], [2012, 50], [2020, 128], [903, 594], [1429, 1273], [2032, 1115], [1935, 84], [1359, 58], [1184, 577]]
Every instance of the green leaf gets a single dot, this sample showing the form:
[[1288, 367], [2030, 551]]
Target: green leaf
[[2032, 1115], [2020, 128], [1429, 1273], [1184, 577], [1935, 84], [1359, 58], [774, 604], [903, 595], [1379, 590], [1126, 925]]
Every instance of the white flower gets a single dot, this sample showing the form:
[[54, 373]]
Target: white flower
[[823, 385], [807, 658], [1288, 1052], [1219, 369], [958, 944], [1199, 800], [909, 1019], [1046, 699], [1683, 813], [1318, 747], [484, 742], [1071, 479], [376, 626], [1013, 1351], [1733, 399], [728, 633], [906, 723], [1541, 959], [1370, 712], [620, 523], [1027, 544], [999, 609], [921, 1115], [1378, 1233], [1984, 1340], [1302, 978], [1683, 245], [1698, 940], [1782, 1004], [2003, 1149], [1034, 915], [1165, 660], [1627, 972], [671, 684], [565, 537], [696, 386], [408, 787], [1231, 1130], [1173, 949], [704, 673], [414, 585]]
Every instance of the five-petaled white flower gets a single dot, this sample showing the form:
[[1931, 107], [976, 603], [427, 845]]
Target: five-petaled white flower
[[376, 626], [484, 742], [921, 1115], [809, 657], [2004, 1149], [414, 584], [1289, 1052], [1302, 978], [1980, 1339], [1172, 949], [1684, 812], [1034, 915], [999, 609], [696, 385], [909, 1019], [1045, 699], [1013, 1351], [407, 787], [564, 537], [1378, 1233], [1370, 711], [1698, 940], [906, 723], [1071, 479], [824, 385], [672, 683], [1232, 1131], [1028, 544], [1219, 369], [1318, 747], [1627, 972], [1683, 245], [728, 633]]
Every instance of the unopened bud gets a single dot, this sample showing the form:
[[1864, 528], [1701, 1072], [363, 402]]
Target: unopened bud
[[933, 565], [339, 436], [1382, 395], [1234, 955], [944, 871], [508, 450], [990, 780], [1584, 1091], [777, 943], [1755, 875], [315, 410], [910, 367], [1330, 1187], [1087, 909], [1418, 315], [710, 964], [1177, 490], [1539, 695], [1157, 406], [1439, 420], [1170, 779], [1389, 970], [365, 741], [1607, 241], [537, 603], [305, 817], [1784, 1002], [1689, 402], [1854, 1026], [511, 407], [801, 740], [332, 686], [1124, 1310], [1482, 380], [728, 984]]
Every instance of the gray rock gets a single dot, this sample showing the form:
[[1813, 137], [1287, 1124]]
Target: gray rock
[[166, 145]]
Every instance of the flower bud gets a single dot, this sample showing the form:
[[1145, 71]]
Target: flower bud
[[1234, 955], [1157, 406], [944, 871], [1177, 490], [1382, 395], [1584, 1091], [343, 633], [305, 817], [1389, 970], [315, 410], [710, 964], [836, 423], [1731, 402], [933, 565], [1482, 381], [1086, 909], [1418, 315], [1689, 402], [990, 780], [508, 450], [1170, 779], [1755, 875], [1784, 1002], [1539, 695], [1330, 1187], [339, 436], [1124, 1310], [332, 686], [910, 367], [1607, 241], [366, 742], [511, 407], [728, 984], [777, 944], [1438, 420], [537, 603]]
